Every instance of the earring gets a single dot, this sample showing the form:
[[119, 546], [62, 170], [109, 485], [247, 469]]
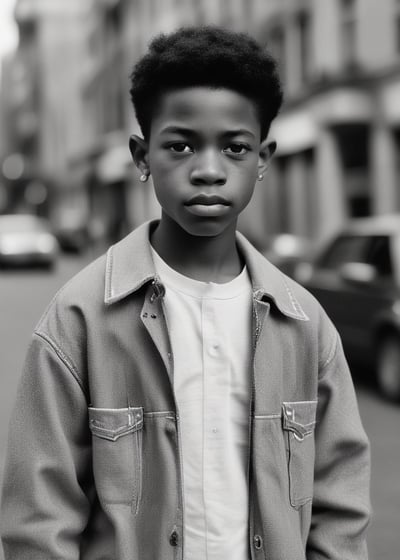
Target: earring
[[143, 178], [260, 177]]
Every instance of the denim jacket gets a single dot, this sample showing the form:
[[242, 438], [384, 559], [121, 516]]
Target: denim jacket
[[94, 465]]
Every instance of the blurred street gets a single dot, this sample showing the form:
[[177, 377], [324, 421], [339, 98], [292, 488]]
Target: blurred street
[[24, 298], [381, 421]]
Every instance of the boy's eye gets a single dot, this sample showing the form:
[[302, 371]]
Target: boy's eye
[[180, 148], [237, 149]]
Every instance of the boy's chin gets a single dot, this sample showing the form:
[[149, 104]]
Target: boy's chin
[[197, 227], [208, 228]]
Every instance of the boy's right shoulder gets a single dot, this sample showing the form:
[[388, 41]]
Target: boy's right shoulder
[[84, 290], [76, 310], [86, 294]]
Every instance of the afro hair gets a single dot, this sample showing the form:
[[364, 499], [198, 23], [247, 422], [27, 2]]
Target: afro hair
[[206, 56]]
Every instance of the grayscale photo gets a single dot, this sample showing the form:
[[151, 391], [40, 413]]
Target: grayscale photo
[[199, 279]]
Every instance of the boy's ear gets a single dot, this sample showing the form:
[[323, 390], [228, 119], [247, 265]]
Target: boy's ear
[[267, 150], [139, 150]]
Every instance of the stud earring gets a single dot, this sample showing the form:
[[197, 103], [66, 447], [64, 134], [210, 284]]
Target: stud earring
[[143, 178], [260, 177]]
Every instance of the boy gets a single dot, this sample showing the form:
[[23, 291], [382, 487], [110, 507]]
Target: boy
[[181, 397]]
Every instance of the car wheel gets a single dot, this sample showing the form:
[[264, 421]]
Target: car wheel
[[388, 367]]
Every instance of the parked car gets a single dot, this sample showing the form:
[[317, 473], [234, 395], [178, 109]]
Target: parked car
[[26, 240], [286, 251], [356, 278], [74, 238]]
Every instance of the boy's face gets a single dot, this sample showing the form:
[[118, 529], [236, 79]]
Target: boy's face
[[204, 154]]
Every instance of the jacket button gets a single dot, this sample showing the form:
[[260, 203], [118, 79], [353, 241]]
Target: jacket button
[[173, 539], [257, 542]]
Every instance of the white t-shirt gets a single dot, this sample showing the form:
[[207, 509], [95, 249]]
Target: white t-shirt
[[210, 332]]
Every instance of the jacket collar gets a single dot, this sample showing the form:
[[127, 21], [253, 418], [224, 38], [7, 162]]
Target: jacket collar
[[129, 265]]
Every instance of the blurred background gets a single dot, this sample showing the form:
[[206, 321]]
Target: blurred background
[[326, 212]]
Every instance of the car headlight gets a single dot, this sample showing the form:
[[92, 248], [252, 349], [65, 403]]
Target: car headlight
[[8, 244]]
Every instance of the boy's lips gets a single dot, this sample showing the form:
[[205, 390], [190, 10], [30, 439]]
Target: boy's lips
[[207, 200], [208, 210], [208, 205]]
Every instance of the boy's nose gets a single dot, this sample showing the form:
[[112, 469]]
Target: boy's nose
[[208, 170]]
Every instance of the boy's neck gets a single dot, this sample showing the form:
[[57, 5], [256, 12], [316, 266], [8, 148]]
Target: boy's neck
[[208, 259]]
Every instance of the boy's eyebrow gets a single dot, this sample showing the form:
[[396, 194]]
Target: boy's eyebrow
[[190, 132], [177, 130], [237, 132]]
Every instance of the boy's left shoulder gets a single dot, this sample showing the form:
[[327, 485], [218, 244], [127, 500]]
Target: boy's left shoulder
[[294, 303], [291, 298]]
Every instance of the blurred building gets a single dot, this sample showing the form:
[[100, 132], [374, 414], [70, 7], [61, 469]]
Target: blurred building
[[339, 131], [43, 103], [19, 139], [6, 126]]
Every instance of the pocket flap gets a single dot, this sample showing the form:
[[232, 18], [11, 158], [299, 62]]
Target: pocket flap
[[113, 423], [299, 417]]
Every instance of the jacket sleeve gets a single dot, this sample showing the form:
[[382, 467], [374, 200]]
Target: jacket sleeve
[[48, 475], [341, 506]]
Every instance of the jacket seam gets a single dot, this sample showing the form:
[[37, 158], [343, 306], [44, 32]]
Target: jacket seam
[[296, 305], [50, 305], [331, 354], [109, 267], [63, 357]]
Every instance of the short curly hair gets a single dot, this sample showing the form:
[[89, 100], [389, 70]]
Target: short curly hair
[[206, 56]]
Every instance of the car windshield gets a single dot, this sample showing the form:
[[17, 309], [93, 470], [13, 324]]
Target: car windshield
[[369, 249], [22, 224], [343, 250]]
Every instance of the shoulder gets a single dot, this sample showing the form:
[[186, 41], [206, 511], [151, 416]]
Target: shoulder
[[63, 328], [289, 297], [321, 331], [83, 291], [294, 303], [311, 306], [76, 307]]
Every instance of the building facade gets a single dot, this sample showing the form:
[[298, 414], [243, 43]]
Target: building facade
[[44, 101], [338, 133]]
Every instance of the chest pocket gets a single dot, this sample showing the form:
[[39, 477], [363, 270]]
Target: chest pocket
[[117, 454], [298, 421]]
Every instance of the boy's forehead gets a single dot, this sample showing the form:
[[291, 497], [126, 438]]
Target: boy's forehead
[[205, 104]]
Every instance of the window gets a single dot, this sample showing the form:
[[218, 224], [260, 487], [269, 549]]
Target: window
[[115, 17], [276, 45], [353, 144], [397, 24], [283, 195], [304, 26], [348, 31], [396, 138], [379, 255]]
